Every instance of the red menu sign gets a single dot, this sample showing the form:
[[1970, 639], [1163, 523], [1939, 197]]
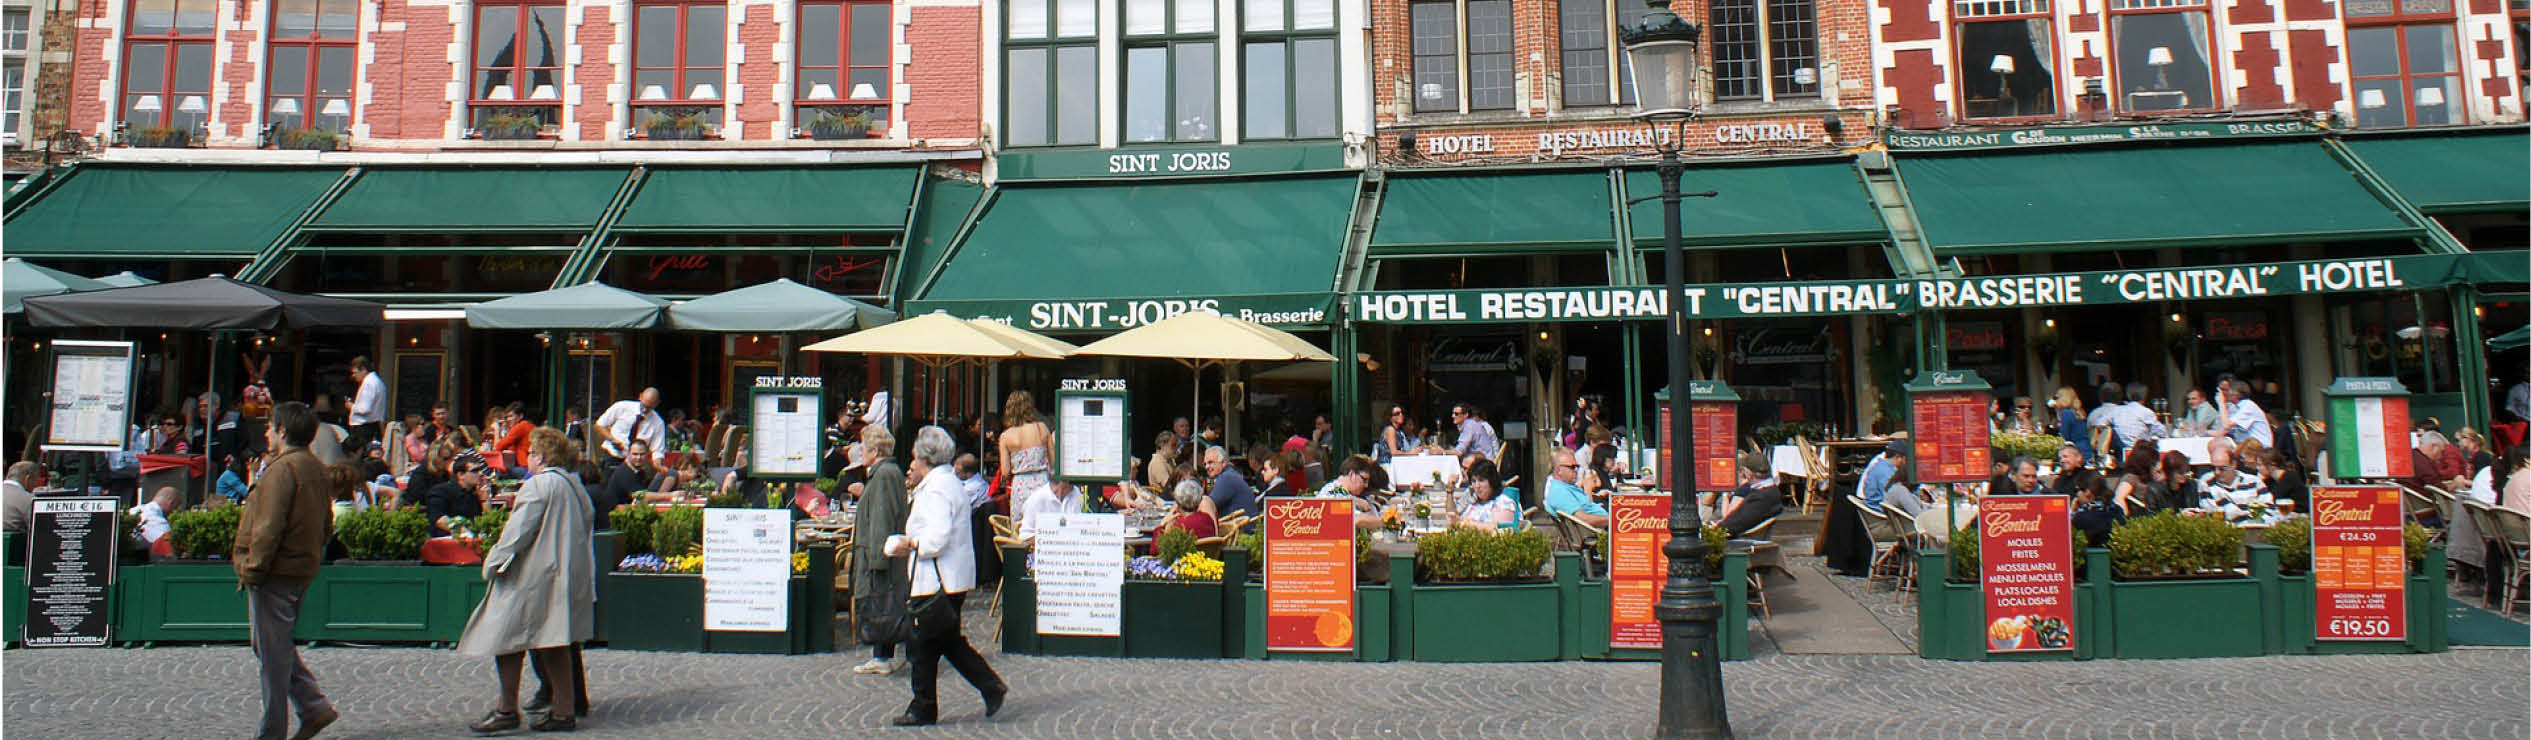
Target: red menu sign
[[2025, 550], [1638, 525], [1951, 440], [1716, 426], [1309, 574], [2359, 565]]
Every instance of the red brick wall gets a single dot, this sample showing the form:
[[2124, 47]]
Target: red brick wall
[[91, 103], [761, 73], [594, 111], [238, 68], [945, 80]]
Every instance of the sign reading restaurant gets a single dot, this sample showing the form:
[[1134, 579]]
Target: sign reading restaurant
[[1624, 139], [2060, 135]]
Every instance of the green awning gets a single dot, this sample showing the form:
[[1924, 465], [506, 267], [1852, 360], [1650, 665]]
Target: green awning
[[2142, 197], [772, 199], [477, 199], [1493, 211], [2449, 172], [178, 212], [1266, 245], [1818, 202], [946, 202]]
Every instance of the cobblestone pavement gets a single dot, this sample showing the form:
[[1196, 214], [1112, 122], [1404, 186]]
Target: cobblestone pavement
[[204, 692]]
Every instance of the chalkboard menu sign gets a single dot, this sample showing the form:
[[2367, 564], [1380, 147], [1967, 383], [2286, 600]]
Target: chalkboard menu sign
[[69, 571], [417, 382]]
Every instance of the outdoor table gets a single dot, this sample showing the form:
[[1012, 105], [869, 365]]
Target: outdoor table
[[450, 551], [1787, 460], [2193, 447], [1934, 529]]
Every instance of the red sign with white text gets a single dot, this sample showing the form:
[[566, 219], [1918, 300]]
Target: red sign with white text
[[1717, 424], [1638, 526], [1309, 574], [1951, 437], [2359, 564], [2025, 550]]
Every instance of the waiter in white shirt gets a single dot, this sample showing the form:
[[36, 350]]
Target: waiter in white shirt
[[369, 406], [637, 418], [878, 413]]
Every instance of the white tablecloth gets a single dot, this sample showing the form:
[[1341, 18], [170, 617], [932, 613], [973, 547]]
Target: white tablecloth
[[1788, 461], [2193, 447]]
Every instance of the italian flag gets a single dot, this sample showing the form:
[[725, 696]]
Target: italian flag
[[2368, 437]]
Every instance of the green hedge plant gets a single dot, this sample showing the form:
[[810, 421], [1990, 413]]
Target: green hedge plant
[[2292, 538], [1173, 544], [2169, 544], [380, 534], [679, 531], [203, 534], [488, 529], [633, 525], [1964, 555], [1475, 555]]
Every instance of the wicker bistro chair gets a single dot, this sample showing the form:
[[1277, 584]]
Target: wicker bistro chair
[[1579, 536], [2417, 504], [1884, 534], [2510, 533], [1902, 567]]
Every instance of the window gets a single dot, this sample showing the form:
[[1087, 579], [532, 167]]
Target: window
[[517, 85], [845, 60], [1170, 81], [167, 64], [13, 30], [310, 84], [12, 93], [1765, 49], [2405, 66], [1288, 53], [2006, 58], [2159, 47], [1050, 72], [1594, 62], [1444, 56], [677, 53]]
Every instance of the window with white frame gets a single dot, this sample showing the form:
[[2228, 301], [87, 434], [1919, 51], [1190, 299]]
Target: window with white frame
[[1594, 64], [1050, 72], [2159, 55], [2005, 54], [1462, 55], [1287, 58], [14, 31], [1764, 49]]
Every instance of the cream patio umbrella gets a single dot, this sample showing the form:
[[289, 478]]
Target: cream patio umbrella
[[1199, 338], [938, 340]]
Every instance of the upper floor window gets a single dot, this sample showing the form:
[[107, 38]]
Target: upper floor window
[[1171, 50], [13, 30], [167, 64], [2006, 57], [309, 84], [1594, 69], [678, 49], [1764, 49], [2159, 50], [1288, 54], [846, 59], [1050, 72], [12, 93], [2404, 63], [1458, 41], [516, 89]]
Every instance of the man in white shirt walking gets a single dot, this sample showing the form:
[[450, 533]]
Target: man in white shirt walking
[[369, 406], [635, 418]]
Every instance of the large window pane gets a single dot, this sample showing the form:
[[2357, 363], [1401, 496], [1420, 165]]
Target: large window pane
[[1267, 115], [2162, 63], [2372, 51], [705, 38], [152, 17], [1489, 54], [1146, 16], [543, 40], [1075, 18], [2007, 68], [197, 17], [1436, 49], [1195, 16], [2380, 103], [1585, 48], [334, 70], [289, 74], [1195, 97], [655, 41], [1793, 48], [1734, 31], [1262, 15], [1147, 94], [1314, 113], [145, 68], [337, 19], [2438, 100], [821, 30], [193, 68], [871, 23], [1077, 95], [1026, 19], [1313, 14], [2429, 49], [294, 18], [1024, 97]]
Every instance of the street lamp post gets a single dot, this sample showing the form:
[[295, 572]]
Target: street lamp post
[[1661, 54]]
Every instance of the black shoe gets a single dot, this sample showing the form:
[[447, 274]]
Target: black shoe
[[495, 721], [537, 705], [551, 723], [915, 716], [993, 699]]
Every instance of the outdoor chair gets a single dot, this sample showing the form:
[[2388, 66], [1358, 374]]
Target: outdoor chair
[[1579, 536], [1761, 529], [1003, 526], [1902, 565], [2512, 532], [1211, 546], [1884, 537], [2417, 503]]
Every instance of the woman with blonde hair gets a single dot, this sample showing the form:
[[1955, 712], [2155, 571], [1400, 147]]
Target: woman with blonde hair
[[2070, 423], [1023, 445], [540, 587]]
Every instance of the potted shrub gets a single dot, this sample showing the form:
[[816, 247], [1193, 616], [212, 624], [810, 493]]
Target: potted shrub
[[311, 139], [193, 597], [162, 137], [382, 536], [510, 127], [676, 125], [1471, 586], [829, 124]]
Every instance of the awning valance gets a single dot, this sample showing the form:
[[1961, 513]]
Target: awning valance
[[772, 199], [1493, 211], [474, 199], [171, 212], [2142, 197], [2453, 172], [1815, 202], [1104, 257]]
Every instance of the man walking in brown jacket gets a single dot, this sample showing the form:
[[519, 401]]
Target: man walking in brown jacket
[[280, 540]]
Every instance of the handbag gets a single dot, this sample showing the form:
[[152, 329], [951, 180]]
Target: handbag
[[888, 620], [932, 615]]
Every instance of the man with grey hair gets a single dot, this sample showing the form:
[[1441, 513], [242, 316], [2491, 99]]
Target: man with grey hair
[[18, 493], [884, 502]]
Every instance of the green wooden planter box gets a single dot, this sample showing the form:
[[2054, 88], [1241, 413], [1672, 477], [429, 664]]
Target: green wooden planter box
[[1161, 619], [359, 602], [2428, 597], [1591, 616], [664, 611], [1951, 617], [171, 602], [1493, 623]]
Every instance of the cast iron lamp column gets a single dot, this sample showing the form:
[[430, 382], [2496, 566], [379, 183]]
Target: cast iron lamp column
[[1661, 53]]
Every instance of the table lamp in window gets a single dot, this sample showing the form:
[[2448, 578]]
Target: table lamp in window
[[2002, 66], [2160, 59], [193, 107], [543, 92], [286, 108], [501, 92], [654, 92], [863, 91], [337, 110], [821, 91], [703, 91], [147, 104], [2429, 99]]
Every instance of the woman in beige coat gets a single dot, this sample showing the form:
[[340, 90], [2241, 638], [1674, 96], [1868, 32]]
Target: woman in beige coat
[[540, 586]]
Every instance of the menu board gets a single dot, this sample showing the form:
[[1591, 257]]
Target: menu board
[[92, 396], [1717, 426], [2359, 564], [784, 441], [1638, 526], [2369, 437], [746, 570], [1091, 441], [1080, 570], [70, 570], [1309, 574], [2025, 547], [1951, 437]]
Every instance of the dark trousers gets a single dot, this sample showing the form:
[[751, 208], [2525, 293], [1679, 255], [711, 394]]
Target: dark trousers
[[952, 644], [580, 676], [272, 610]]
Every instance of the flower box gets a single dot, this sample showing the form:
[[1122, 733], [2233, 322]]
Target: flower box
[[664, 611], [1493, 623], [1160, 619]]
